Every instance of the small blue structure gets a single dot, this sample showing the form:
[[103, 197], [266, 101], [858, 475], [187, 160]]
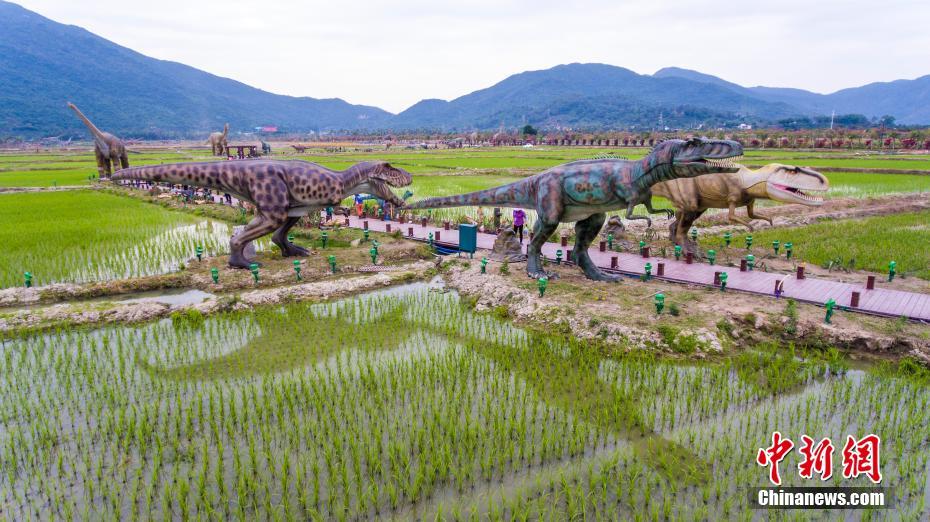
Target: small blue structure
[[468, 238]]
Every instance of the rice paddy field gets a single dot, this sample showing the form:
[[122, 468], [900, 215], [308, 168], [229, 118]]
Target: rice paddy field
[[496, 165], [84, 236], [74, 215], [866, 244], [403, 404]]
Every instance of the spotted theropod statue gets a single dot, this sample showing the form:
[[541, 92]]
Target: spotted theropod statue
[[282, 191], [584, 191], [108, 149]]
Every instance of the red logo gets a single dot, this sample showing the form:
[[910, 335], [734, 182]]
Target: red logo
[[860, 457], [817, 459], [774, 454]]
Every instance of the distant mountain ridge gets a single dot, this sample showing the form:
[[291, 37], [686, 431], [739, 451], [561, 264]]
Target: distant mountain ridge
[[589, 95], [907, 100], [44, 64]]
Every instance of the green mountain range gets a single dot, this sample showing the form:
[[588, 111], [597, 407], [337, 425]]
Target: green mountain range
[[44, 64]]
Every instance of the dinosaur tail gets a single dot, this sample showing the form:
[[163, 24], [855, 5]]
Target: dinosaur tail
[[517, 194], [207, 174], [94, 131]]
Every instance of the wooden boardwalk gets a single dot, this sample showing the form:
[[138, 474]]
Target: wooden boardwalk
[[879, 301]]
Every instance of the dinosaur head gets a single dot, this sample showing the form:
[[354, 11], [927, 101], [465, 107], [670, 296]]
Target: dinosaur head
[[698, 156], [381, 176], [786, 183]]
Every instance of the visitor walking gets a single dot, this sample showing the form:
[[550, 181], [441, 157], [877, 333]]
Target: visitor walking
[[519, 219], [358, 205]]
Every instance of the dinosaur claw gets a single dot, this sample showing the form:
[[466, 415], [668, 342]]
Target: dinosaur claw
[[238, 262], [601, 276], [542, 273], [295, 251]]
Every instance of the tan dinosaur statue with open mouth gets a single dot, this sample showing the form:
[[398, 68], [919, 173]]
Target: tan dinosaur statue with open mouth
[[783, 183]]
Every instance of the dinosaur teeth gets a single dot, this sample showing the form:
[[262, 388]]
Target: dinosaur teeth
[[723, 162]]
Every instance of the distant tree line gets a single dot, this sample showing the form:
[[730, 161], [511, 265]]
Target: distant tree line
[[847, 121]]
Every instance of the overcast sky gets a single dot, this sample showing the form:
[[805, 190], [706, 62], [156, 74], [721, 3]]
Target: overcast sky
[[393, 54]]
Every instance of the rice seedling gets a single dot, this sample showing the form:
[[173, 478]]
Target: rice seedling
[[88, 236], [405, 404], [869, 243]]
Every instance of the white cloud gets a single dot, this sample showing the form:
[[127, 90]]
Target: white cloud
[[392, 54]]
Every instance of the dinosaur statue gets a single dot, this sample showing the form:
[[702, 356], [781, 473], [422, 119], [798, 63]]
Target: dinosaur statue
[[282, 191], [109, 150], [218, 141], [584, 191], [266, 148], [783, 183], [300, 148]]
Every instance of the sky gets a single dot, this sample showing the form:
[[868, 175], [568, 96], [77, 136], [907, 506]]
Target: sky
[[393, 54]]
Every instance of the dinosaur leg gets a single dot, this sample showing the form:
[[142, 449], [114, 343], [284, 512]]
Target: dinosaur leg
[[673, 228], [124, 160], [733, 218], [279, 238], [106, 166], [629, 214], [648, 203], [541, 232], [258, 227], [101, 163], [585, 232], [687, 219], [750, 211], [116, 162], [549, 209]]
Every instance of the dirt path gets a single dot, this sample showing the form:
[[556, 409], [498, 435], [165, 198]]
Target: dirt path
[[97, 313], [697, 322]]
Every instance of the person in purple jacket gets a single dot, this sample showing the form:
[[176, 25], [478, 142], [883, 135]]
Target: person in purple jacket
[[519, 219]]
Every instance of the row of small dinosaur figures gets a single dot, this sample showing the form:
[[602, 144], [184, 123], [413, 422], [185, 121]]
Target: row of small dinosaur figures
[[694, 174]]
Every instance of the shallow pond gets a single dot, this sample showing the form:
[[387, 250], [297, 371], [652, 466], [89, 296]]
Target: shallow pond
[[404, 404]]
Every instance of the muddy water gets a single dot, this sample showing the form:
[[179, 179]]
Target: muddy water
[[173, 298]]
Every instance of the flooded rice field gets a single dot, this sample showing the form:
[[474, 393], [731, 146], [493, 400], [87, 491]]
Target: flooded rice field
[[88, 236], [404, 404]]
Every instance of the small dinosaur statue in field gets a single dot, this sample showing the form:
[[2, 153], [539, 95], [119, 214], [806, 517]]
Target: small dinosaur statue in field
[[300, 148], [783, 183], [282, 191], [217, 141], [266, 148], [584, 191], [109, 150]]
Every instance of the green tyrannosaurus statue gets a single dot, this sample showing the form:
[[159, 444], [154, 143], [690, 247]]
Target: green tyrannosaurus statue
[[584, 191]]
